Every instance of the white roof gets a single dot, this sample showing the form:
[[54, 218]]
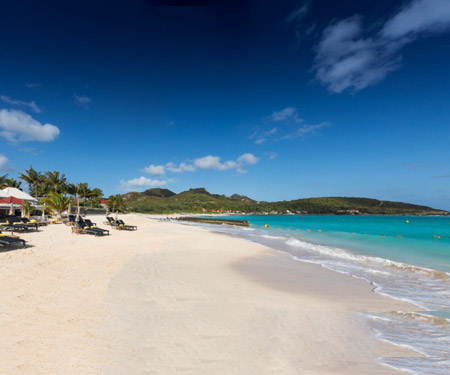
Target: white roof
[[16, 193]]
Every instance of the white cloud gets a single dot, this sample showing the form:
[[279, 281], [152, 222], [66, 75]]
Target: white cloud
[[33, 85], [3, 162], [82, 100], [306, 130], [419, 16], [141, 182], [155, 170], [214, 162], [32, 105], [208, 162], [347, 58], [286, 114], [183, 167], [247, 158], [17, 126]]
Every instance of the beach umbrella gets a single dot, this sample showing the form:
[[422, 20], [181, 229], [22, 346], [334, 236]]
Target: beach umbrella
[[12, 201]]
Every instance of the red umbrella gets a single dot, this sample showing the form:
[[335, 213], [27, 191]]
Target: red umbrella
[[12, 200]]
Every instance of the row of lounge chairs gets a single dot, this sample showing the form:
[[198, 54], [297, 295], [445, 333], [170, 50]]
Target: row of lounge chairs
[[16, 224], [79, 225], [86, 226]]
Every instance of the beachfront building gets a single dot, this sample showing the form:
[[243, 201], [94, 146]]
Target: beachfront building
[[11, 201]]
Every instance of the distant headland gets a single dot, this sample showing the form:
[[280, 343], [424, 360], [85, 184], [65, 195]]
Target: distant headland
[[199, 200]]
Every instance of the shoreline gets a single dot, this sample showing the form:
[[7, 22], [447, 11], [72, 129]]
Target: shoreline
[[172, 296]]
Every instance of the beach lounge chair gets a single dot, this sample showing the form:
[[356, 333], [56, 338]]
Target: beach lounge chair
[[84, 228], [8, 240], [128, 227], [14, 220], [119, 224], [92, 225], [110, 221], [6, 224], [71, 220], [25, 220]]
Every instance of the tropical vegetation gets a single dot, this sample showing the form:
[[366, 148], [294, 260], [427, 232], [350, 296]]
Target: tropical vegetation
[[54, 190], [200, 200]]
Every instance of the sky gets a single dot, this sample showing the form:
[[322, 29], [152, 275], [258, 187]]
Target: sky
[[274, 100]]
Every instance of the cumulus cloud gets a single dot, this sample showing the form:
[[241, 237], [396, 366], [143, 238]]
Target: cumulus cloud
[[141, 182], [306, 130], [247, 158], [208, 162], [215, 163], [182, 167], [32, 105], [347, 57], [155, 170], [17, 126]]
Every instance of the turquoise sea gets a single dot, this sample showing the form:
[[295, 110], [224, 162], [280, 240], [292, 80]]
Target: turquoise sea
[[405, 257]]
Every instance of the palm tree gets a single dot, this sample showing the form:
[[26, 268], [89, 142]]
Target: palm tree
[[28, 208], [57, 202], [43, 189], [33, 178], [55, 180], [96, 196], [79, 191], [116, 203], [84, 190], [3, 181], [11, 182]]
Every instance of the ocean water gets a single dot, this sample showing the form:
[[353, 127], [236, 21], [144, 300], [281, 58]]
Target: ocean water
[[404, 257]]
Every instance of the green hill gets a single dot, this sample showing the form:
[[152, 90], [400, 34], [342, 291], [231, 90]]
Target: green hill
[[200, 200]]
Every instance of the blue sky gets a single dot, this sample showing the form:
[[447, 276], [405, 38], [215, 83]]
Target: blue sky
[[272, 100]]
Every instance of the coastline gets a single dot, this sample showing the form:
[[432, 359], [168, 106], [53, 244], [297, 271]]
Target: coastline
[[172, 297]]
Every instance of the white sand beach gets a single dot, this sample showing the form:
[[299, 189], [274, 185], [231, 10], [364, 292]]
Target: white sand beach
[[171, 298]]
